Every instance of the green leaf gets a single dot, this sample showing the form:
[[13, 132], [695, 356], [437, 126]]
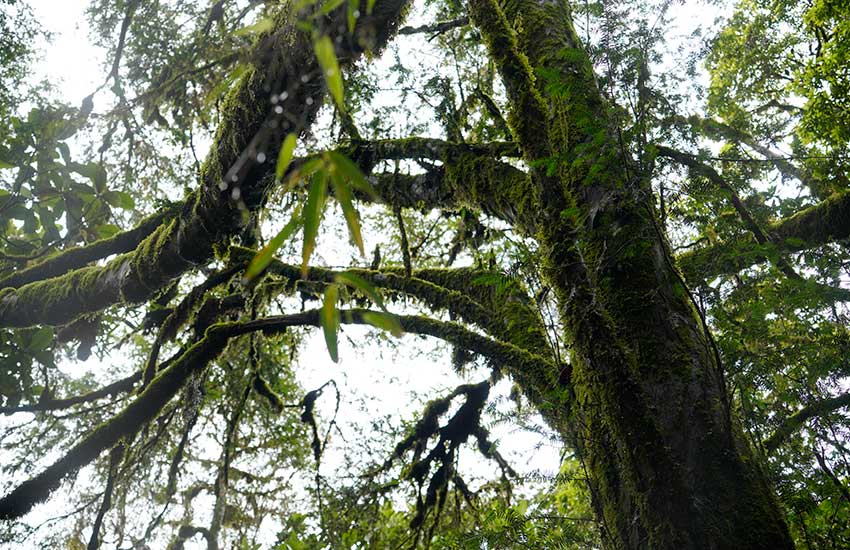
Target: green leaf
[[105, 230], [312, 215], [330, 68], [120, 199], [362, 285], [41, 339], [353, 174], [264, 257], [370, 5], [353, 6], [329, 318], [263, 25], [342, 192], [521, 507], [285, 155], [384, 321], [4, 165]]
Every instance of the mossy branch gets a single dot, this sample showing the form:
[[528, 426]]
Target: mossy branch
[[529, 115], [794, 422], [471, 294], [825, 222], [71, 259]]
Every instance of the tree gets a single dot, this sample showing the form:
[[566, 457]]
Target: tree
[[673, 378]]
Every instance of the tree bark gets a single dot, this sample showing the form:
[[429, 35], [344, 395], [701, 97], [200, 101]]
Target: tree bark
[[668, 467]]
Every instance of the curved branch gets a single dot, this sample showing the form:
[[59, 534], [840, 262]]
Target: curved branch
[[796, 420], [825, 222], [471, 294], [436, 28], [714, 177], [719, 130], [74, 258]]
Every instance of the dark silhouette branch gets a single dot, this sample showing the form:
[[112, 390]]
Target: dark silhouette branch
[[125, 385], [714, 177], [436, 28]]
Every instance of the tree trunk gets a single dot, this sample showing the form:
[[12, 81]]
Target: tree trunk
[[668, 466]]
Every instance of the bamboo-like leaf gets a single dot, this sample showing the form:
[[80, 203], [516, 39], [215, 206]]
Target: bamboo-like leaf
[[312, 215], [263, 25], [352, 173], [352, 13], [262, 259], [342, 192], [363, 286], [285, 155], [384, 321], [306, 170], [329, 318], [330, 68]]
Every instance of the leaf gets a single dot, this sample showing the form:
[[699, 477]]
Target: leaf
[[342, 192], [312, 216], [329, 319], [120, 199], [285, 155], [105, 230], [362, 285], [263, 25], [353, 174], [330, 69], [352, 14], [264, 257], [41, 339], [521, 507], [4, 165], [370, 4], [384, 321]]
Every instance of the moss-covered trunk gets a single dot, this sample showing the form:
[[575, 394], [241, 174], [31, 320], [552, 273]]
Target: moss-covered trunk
[[667, 466]]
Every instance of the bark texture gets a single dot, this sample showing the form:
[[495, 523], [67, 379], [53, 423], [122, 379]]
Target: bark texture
[[668, 467]]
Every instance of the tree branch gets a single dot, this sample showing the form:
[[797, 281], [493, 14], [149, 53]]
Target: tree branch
[[121, 386], [709, 172], [436, 28], [796, 420], [74, 258], [823, 223]]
